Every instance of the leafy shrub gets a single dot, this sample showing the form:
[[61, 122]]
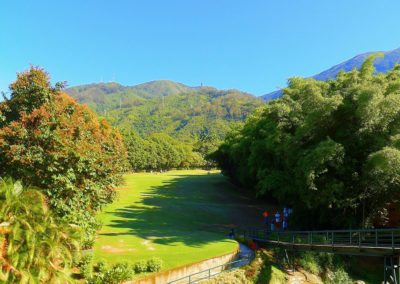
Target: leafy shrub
[[101, 266], [118, 273], [309, 262], [85, 266], [140, 266], [154, 264], [340, 276]]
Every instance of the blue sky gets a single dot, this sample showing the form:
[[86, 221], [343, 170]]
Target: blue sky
[[249, 45]]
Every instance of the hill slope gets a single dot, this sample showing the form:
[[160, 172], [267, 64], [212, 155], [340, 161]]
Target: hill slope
[[381, 65], [164, 106]]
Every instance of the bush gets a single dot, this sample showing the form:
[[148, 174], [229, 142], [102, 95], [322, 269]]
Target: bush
[[85, 266], [154, 264], [101, 266], [310, 263], [340, 276], [140, 266], [119, 273]]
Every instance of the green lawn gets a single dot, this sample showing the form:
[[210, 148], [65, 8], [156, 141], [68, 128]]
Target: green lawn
[[179, 216]]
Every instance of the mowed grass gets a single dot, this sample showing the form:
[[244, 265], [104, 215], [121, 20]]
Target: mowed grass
[[179, 216]]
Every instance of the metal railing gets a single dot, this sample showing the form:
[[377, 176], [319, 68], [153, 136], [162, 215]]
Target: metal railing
[[211, 272], [365, 239]]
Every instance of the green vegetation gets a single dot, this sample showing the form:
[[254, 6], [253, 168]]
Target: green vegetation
[[329, 149], [160, 152], [185, 113], [180, 217], [168, 125], [34, 248], [49, 141], [263, 269]]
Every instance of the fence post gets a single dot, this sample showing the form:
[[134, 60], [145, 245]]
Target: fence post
[[333, 236], [311, 241], [190, 279], [376, 237], [209, 273], [350, 237], [392, 240]]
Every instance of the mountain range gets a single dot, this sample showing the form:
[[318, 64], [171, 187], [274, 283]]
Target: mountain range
[[183, 112], [381, 65]]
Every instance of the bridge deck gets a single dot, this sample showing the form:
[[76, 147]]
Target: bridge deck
[[374, 242]]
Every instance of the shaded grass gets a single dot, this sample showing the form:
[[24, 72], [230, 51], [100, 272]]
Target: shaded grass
[[181, 217]]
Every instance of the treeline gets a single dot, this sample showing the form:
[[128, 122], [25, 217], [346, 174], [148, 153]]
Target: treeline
[[159, 151], [331, 150]]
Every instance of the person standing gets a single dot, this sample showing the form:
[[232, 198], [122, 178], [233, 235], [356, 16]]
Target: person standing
[[266, 218], [284, 223], [277, 219]]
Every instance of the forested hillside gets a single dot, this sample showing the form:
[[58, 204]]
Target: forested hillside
[[185, 113]]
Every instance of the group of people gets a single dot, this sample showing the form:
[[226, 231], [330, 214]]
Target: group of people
[[278, 221]]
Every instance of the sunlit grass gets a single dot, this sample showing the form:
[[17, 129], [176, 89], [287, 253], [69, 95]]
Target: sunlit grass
[[180, 216]]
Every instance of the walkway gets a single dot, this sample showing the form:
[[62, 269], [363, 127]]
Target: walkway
[[374, 242], [244, 257]]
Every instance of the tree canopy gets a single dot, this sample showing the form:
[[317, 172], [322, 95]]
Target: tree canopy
[[49, 141], [329, 149]]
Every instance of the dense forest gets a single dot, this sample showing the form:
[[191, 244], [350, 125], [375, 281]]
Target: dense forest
[[329, 149]]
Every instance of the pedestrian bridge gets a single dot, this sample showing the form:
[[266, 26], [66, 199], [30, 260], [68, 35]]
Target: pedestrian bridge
[[370, 242]]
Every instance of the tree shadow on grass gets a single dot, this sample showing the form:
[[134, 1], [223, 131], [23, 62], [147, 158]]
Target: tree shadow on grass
[[190, 209]]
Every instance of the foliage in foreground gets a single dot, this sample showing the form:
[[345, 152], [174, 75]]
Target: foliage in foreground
[[34, 248], [49, 141], [118, 273], [329, 149]]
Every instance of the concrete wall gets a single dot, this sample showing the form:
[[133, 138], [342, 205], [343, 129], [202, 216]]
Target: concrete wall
[[179, 272]]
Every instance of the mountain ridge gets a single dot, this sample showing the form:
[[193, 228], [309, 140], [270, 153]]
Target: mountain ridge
[[169, 107], [382, 65]]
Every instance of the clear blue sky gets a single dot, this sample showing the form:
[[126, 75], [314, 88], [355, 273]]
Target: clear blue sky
[[249, 45]]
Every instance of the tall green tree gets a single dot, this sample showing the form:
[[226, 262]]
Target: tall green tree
[[329, 149]]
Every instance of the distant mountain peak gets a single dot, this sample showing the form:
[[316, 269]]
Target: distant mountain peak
[[382, 65]]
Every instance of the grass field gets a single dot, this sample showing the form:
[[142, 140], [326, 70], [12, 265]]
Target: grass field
[[180, 216]]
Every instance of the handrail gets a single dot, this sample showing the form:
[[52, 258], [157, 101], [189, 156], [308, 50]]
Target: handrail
[[363, 239], [192, 279]]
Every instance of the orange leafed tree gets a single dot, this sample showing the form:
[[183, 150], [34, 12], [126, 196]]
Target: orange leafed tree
[[50, 141]]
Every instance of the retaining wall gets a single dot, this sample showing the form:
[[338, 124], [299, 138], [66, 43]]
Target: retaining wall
[[182, 271]]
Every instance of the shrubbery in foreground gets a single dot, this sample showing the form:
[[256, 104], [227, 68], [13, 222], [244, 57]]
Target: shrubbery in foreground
[[118, 273], [34, 247]]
